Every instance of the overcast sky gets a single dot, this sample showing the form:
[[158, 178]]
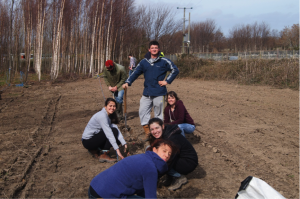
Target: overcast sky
[[228, 13]]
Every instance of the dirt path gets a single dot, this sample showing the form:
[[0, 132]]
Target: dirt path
[[244, 130]]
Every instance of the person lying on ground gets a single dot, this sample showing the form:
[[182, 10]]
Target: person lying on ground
[[154, 69], [186, 160], [114, 76], [101, 133], [136, 174], [176, 113]]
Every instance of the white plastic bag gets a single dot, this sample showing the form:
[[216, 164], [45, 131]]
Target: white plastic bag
[[256, 188]]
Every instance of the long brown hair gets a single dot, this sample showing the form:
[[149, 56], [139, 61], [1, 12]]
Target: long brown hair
[[151, 121], [113, 117], [172, 94]]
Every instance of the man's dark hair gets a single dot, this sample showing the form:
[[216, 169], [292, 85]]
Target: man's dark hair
[[154, 43], [130, 55]]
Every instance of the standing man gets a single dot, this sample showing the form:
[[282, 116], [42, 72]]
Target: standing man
[[131, 64], [114, 76], [154, 69]]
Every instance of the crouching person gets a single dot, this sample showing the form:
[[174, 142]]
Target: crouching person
[[102, 133], [185, 161], [135, 176]]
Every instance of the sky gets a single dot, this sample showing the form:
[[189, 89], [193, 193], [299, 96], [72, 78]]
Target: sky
[[229, 13]]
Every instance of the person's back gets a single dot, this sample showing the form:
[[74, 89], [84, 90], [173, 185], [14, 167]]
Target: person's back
[[133, 173], [187, 151]]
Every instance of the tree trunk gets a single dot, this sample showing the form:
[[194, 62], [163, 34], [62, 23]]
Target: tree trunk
[[93, 43], [100, 39], [39, 38], [56, 45], [108, 44]]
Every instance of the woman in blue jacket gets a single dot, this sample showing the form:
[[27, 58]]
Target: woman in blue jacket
[[137, 174]]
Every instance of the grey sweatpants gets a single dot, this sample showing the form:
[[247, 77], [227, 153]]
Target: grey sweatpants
[[146, 104]]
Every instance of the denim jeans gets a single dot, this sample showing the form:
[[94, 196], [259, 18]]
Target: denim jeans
[[173, 173], [118, 95], [186, 128], [130, 72]]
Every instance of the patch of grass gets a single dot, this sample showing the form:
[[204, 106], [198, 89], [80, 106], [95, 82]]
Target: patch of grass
[[290, 175]]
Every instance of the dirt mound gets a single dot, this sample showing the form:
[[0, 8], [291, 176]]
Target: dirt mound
[[240, 131]]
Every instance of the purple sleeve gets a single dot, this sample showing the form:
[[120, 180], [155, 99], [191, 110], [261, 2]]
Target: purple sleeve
[[179, 113]]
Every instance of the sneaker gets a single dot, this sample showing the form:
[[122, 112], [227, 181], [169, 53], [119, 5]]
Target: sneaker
[[106, 158], [178, 182]]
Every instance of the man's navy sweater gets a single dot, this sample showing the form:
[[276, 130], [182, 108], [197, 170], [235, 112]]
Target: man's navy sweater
[[153, 72]]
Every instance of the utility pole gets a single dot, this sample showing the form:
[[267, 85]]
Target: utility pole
[[183, 29]]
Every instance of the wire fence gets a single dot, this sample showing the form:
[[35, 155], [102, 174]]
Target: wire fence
[[276, 54]]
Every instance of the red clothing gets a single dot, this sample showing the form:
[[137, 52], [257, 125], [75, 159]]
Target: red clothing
[[178, 116]]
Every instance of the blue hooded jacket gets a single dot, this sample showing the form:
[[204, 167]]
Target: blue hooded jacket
[[133, 174], [153, 72]]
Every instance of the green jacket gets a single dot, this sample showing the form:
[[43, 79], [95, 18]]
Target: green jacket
[[115, 77]]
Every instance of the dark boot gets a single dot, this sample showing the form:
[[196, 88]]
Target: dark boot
[[94, 153], [106, 158], [167, 181]]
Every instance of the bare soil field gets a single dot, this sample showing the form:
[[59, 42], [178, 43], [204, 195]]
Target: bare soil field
[[240, 131]]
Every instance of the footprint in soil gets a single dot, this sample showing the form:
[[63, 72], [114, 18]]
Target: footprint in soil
[[186, 191], [132, 115], [193, 139]]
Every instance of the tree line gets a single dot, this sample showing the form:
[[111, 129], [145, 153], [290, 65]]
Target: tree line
[[78, 36]]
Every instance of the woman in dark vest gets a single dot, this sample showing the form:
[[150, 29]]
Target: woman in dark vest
[[185, 162]]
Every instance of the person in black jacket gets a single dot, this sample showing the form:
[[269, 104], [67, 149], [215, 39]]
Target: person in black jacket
[[185, 162]]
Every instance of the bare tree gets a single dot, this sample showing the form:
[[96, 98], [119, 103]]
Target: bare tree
[[10, 38], [100, 40], [107, 51], [41, 11], [27, 16], [56, 44], [93, 42]]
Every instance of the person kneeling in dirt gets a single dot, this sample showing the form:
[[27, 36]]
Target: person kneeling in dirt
[[176, 113], [114, 76], [102, 132], [185, 162], [136, 174]]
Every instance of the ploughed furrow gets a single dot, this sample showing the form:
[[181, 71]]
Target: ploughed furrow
[[44, 131], [18, 178]]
